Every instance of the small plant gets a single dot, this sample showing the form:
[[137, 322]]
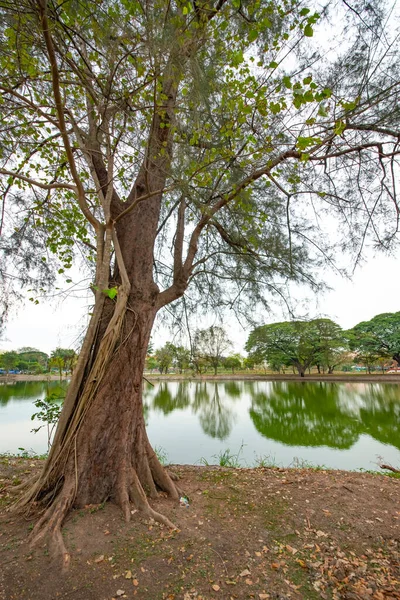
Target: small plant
[[301, 463], [226, 459], [49, 412], [161, 454], [267, 461], [24, 453]]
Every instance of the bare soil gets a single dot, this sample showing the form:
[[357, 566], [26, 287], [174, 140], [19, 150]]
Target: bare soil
[[268, 534]]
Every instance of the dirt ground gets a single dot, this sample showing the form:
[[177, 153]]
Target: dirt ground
[[268, 534]]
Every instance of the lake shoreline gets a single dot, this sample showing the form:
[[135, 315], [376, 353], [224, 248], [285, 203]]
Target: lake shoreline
[[344, 378]]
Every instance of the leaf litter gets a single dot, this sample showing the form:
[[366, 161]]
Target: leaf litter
[[263, 534]]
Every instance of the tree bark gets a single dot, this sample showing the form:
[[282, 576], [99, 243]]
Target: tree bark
[[109, 456]]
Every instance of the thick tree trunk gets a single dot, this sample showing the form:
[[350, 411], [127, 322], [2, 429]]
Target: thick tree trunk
[[301, 370], [106, 455]]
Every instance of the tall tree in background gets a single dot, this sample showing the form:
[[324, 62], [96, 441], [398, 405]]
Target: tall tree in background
[[380, 336], [171, 144], [300, 344], [211, 345]]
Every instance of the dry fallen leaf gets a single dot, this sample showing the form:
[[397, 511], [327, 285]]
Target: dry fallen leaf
[[128, 575], [249, 582], [321, 533], [263, 596], [215, 587], [291, 549], [99, 559], [135, 582], [245, 573]]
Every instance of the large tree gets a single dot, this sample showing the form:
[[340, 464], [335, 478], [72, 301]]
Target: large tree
[[380, 336], [171, 143], [300, 344]]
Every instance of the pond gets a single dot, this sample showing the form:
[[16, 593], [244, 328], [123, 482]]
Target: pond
[[338, 425]]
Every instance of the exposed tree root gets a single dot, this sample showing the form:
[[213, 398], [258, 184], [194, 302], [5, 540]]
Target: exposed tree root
[[137, 495], [15, 489], [49, 525], [128, 489]]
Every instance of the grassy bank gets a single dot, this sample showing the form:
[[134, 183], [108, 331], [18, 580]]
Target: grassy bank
[[268, 534]]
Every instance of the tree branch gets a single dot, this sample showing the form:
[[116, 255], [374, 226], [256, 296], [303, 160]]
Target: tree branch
[[43, 186]]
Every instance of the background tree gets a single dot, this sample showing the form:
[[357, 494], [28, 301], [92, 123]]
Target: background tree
[[380, 335], [8, 360], [331, 342], [368, 359], [233, 362], [165, 357], [172, 145], [181, 358], [300, 344], [37, 361], [57, 362], [211, 344]]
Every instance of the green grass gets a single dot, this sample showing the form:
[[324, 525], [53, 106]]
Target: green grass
[[161, 454], [226, 459]]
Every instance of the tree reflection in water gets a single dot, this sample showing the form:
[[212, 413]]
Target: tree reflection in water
[[293, 413], [304, 414]]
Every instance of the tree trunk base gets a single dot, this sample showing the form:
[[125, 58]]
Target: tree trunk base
[[129, 492]]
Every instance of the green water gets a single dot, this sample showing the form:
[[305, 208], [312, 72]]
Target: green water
[[339, 425]]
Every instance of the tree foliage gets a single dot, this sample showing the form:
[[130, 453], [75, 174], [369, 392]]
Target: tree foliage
[[379, 337], [210, 345], [300, 344]]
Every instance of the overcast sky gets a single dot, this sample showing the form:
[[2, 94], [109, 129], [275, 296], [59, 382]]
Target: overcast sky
[[374, 289]]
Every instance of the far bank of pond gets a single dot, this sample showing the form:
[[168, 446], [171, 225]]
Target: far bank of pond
[[342, 425], [354, 377]]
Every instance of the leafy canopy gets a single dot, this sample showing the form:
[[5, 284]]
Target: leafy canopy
[[226, 106], [378, 337]]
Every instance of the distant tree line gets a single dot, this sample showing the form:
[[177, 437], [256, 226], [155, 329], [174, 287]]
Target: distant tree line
[[324, 345], [209, 351], [33, 361], [319, 344]]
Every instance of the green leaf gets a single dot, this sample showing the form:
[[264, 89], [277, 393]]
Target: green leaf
[[273, 65], [286, 82], [253, 35], [111, 293], [340, 126], [308, 30]]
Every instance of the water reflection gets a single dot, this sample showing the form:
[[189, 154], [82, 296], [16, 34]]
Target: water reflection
[[267, 416], [28, 390], [304, 414]]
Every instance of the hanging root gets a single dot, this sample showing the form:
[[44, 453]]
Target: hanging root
[[49, 525]]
